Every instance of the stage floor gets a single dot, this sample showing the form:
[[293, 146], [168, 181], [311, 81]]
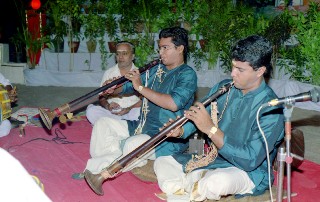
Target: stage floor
[[53, 156], [307, 121]]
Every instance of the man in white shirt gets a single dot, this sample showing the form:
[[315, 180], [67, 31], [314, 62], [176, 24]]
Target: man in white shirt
[[5, 125], [124, 107]]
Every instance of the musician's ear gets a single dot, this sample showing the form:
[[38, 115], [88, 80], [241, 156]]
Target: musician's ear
[[261, 71], [133, 57], [180, 49]]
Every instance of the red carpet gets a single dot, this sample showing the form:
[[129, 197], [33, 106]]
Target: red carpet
[[305, 182], [54, 155]]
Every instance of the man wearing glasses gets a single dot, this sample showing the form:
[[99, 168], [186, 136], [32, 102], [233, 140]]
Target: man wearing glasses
[[117, 107], [168, 90]]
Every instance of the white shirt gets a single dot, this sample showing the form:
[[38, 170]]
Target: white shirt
[[123, 101], [4, 81]]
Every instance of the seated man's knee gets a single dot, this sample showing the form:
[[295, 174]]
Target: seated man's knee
[[137, 140], [218, 183], [134, 141], [169, 180], [90, 113], [160, 161]]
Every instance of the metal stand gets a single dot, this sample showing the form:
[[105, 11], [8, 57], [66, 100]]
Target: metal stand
[[285, 156]]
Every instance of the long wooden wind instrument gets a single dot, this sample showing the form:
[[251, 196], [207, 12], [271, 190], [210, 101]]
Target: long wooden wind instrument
[[48, 116], [95, 180]]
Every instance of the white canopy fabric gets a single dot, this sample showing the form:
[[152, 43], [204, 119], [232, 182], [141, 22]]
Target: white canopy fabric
[[47, 74]]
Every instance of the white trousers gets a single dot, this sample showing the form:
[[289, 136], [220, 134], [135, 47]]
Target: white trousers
[[95, 112], [200, 184], [110, 141], [16, 184], [5, 127]]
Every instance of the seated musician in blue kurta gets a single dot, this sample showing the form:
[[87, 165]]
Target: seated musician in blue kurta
[[168, 89], [237, 162]]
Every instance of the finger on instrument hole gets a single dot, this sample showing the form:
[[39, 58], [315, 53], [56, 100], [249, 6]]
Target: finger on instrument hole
[[193, 108], [199, 105]]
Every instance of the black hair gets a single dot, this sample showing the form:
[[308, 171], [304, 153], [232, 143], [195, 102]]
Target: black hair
[[256, 50], [127, 43], [179, 36]]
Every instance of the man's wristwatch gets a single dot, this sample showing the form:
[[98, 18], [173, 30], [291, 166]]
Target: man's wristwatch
[[213, 131], [140, 88]]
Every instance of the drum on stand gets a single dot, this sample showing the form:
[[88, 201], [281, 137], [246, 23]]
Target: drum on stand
[[5, 109]]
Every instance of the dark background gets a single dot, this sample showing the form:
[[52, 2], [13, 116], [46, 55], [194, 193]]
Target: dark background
[[12, 16]]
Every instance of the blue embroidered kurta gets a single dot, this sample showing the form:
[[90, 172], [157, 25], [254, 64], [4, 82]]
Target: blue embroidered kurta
[[244, 146], [181, 84]]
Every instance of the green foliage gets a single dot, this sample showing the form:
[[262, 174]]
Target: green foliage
[[144, 51], [55, 23], [113, 7], [198, 56], [293, 62], [112, 27], [94, 25], [104, 53], [72, 10], [307, 29], [17, 40], [154, 15], [222, 24], [33, 44], [242, 23], [278, 31]]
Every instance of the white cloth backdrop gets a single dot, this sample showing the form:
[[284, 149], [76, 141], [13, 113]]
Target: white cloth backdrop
[[47, 73]]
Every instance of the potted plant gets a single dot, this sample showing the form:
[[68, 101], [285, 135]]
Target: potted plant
[[112, 31], [306, 28], [56, 27], [33, 45], [72, 10], [94, 27], [278, 31], [211, 13], [19, 47], [111, 24], [234, 21]]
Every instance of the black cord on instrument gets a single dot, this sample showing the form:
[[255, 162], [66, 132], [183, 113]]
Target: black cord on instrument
[[60, 138]]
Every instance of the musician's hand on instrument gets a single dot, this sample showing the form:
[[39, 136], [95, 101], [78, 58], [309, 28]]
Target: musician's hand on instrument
[[114, 107], [177, 132], [111, 89], [134, 77], [173, 133], [109, 81], [122, 111], [105, 174], [200, 117]]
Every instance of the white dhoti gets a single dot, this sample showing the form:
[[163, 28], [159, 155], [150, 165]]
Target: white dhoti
[[93, 113], [200, 184], [110, 140]]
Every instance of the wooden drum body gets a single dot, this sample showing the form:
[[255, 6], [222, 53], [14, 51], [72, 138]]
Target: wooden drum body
[[5, 104]]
